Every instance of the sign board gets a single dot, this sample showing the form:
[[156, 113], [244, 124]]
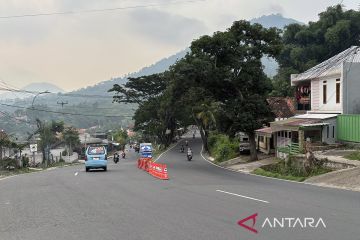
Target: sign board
[[33, 148], [145, 147], [146, 150]]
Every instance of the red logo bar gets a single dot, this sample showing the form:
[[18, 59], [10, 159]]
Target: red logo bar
[[252, 229]]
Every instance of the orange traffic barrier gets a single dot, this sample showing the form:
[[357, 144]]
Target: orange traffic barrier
[[158, 170], [143, 163]]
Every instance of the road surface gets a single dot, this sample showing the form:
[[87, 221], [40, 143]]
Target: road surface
[[200, 201]]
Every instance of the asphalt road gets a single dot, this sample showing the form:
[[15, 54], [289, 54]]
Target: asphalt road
[[200, 201]]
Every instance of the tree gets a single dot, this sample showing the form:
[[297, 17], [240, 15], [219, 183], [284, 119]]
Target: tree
[[243, 86], [141, 89], [222, 70], [205, 119], [71, 138], [307, 45], [48, 136], [4, 142], [120, 136]]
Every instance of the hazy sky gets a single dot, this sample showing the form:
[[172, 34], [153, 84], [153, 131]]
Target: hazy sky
[[78, 50]]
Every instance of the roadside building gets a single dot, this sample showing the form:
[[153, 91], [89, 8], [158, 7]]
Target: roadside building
[[282, 108], [324, 92]]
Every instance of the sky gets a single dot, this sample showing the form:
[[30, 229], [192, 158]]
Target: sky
[[77, 50]]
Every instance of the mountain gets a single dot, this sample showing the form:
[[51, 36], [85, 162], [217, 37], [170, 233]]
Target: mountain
[[274, 20], [158, 67], [33, 87], [43, 86]]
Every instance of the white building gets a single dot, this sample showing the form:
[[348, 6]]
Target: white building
[[324, 91]]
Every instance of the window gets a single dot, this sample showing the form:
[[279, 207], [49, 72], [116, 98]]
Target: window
[[337, 90], [261, 139], [289, 134], [333, 132], [324, 93], [327, 131], [286, 134], [282, 133], [278, 134]]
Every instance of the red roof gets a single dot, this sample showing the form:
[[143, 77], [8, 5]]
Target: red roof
[[264, 130]]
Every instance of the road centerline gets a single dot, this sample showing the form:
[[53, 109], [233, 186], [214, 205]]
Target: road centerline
[[242, 196]]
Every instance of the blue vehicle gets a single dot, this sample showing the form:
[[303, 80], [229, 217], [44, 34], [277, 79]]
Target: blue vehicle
[[95, 158]]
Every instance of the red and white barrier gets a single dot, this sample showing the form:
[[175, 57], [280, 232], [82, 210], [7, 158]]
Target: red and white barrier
[[155, 169], [159, 171]]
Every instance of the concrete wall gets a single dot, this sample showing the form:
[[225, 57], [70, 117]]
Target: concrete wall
[[351, 90], [331, 129]]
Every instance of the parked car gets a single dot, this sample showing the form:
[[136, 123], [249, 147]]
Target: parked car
[[96, 157], [244, 146]]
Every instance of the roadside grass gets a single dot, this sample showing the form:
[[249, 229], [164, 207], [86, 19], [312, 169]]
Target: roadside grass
[[262, 172], [353, 156], [279, 170], [25, 170], [7, 173]]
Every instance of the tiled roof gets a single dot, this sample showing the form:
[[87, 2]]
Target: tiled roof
[[282, 107], [331, 66]]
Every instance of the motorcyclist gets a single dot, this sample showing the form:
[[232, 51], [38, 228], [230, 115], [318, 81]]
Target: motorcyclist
[[123, 154], [116, 157], [182, 149], [186, 143], [189, 154]]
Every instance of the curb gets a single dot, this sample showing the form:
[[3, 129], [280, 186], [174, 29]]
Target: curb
[[278, 179], [36, 170]]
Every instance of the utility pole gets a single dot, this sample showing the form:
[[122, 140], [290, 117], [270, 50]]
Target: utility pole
[[62, 103]]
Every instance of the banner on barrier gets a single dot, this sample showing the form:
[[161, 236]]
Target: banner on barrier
[[158, 170]]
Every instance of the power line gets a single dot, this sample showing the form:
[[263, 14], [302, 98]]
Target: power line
[[65, 113], [98, 10], [59, 94]]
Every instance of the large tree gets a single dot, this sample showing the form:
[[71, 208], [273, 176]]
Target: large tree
[[242, 86], [307, 45]]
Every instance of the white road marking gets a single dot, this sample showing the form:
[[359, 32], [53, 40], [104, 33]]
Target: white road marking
[[167, 150], [238, 195], [76, 173]]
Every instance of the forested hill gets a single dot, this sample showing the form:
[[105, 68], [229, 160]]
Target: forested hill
[[275, 20], [160, 66]]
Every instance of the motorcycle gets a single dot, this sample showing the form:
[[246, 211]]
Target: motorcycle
[[123, 154], [189, 157], [182, 149], [116, 158]]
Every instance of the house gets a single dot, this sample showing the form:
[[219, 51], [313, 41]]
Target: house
[[282, 108], [331, 86], [325, 91]]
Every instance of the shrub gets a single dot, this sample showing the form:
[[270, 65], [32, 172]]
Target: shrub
[[290, 171], [25, 161], [8, 163], [222, 148]]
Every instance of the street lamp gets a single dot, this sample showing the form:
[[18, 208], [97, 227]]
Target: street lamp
[[45, 92]]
